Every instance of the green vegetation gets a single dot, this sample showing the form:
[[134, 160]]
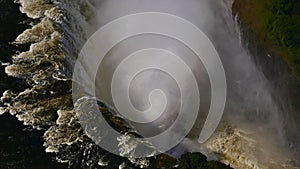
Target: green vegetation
[[283, 23], [199, 161], [188, 161], [277, 24], [192, 161]]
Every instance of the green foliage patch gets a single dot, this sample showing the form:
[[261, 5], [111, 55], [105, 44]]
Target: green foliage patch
[[283, 25], [199, 161]]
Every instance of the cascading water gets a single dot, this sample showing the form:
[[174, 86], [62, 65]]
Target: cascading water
[[251, 122]]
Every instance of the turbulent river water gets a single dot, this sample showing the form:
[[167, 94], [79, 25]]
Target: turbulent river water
[[252, 133]]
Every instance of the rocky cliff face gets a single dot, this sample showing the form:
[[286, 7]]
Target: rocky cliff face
[[285, 86]]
